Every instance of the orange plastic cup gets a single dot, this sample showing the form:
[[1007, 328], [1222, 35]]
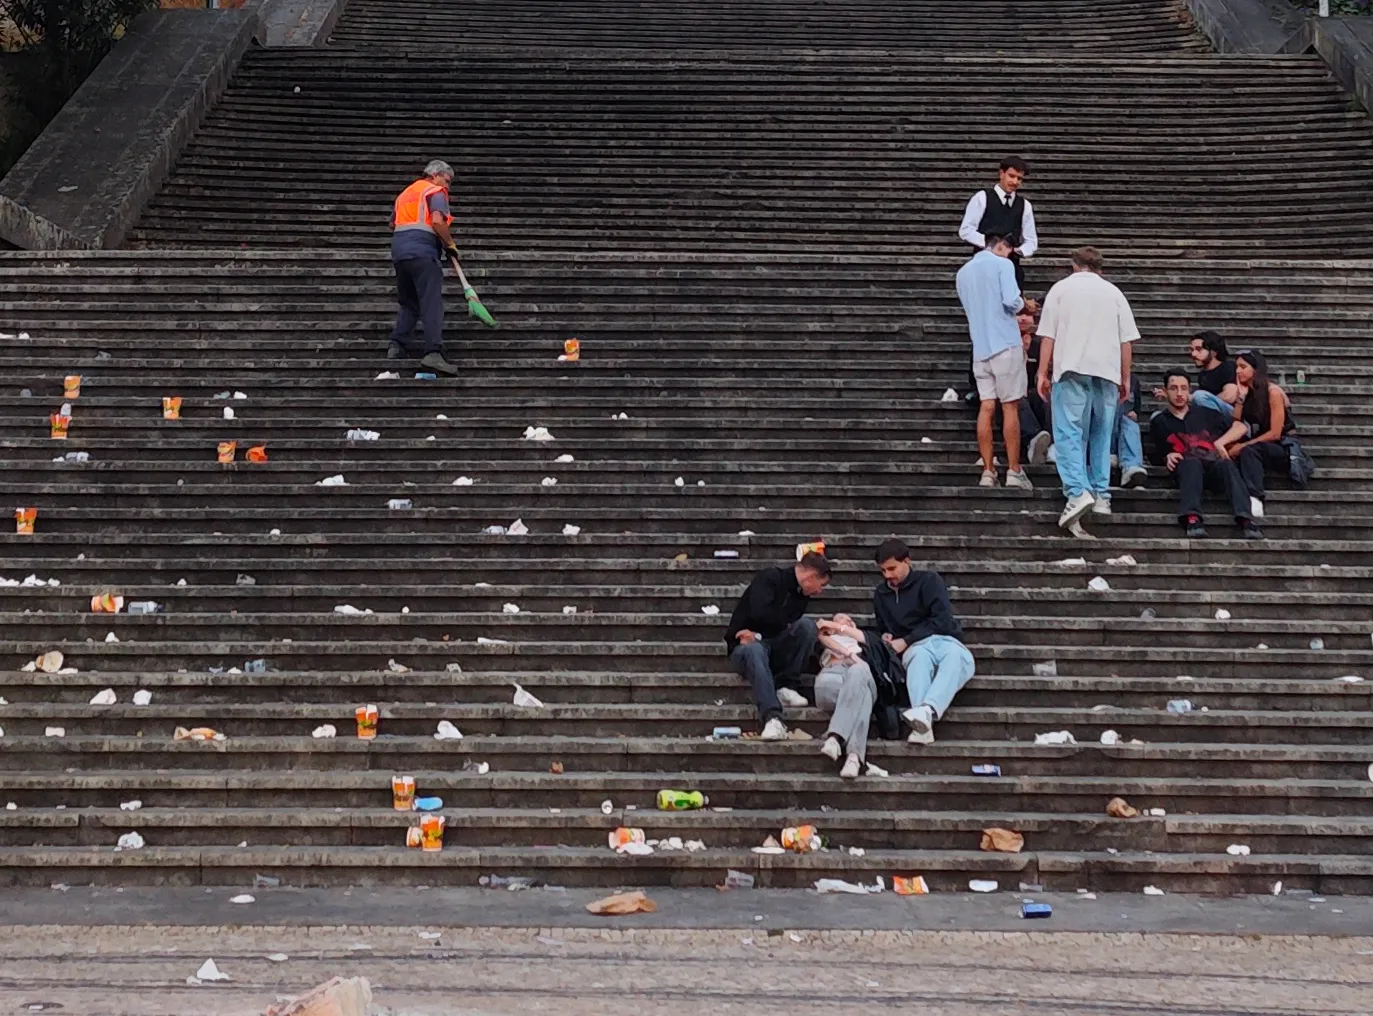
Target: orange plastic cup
[[367, 717], [58, 425], [71, 386], [227, 451], [171, 407], [914, 885], [431, 833], [403, 793], [800, 839], [622, 836], [412, 837], [257, 453], [572, 350], [24, 518]]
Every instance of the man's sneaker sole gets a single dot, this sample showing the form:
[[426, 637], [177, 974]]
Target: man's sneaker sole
[[1069, 517], [1039, 448]]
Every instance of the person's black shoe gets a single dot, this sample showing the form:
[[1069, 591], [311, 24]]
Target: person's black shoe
[[394, 352], [1251, 530], [1195, 530], [436, 362]]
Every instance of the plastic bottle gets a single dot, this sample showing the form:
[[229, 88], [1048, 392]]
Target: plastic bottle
[[144, 607], [681, 800]]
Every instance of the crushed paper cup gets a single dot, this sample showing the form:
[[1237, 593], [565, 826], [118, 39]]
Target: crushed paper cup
[[226, 451], [1056, 737], [983, 885], [105, 698], [24, 520], [447, 732], [130, 841], [571, 530], [171, 407], [525, 700]]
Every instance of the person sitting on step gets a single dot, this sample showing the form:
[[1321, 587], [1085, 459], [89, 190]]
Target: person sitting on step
[[1264, 409], [770, 640], [846, 689], [1196, 444], [916, 619], [1126, 446], [1036, 419]]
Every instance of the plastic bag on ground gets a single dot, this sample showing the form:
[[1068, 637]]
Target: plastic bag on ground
[[447, 732], [517, 528], [1099, 585], [131, 841], [836, 885], [142, 697], [571, 530], [336, 480], [537, 434], [1056, 737], [525, 700], [105, 698], [1002, 841], [324, 731], [622, 904]]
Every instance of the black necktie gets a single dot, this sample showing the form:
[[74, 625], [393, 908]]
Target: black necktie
[[1010, 199]]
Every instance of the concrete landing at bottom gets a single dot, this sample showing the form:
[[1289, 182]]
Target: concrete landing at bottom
[[763, 911]]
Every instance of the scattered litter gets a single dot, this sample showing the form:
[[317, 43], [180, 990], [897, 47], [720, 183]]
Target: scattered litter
[[747, 532], [1125, 560], [537, 434], [1237, 850], [711, 610], [388, 375], [525, 700], [324, 731], [1262, 645], [1222, 614], [835, 885], [1084, 894], [447, 732], [266, 882], [1071, 562], [336, 480], [1349, 679], [1099, 585], [1118, 807], [1277, 891], [1157, 813], [549, 481], [622, 904], [50, 662], [986, 769], [130, 841], [1056, 737], [981, 885], [349, 610], [737, 880], [208, 972], [1152, 890], [55, 732], [106, 697], [925, 440], [517, 528], [949, 396], [142, 697], [243, 898], [482, 640], [397, 668], [857, 852], [607, 807], [1110, 737], [1148, 614], [910, 886], [1180, 707], [510, 608], [1002, 841], [400, 504], [358, 434], [571, 530], [228, 413], [463, 481], [679, 482], [197, 734], [130, 805], [277, 957], [454, 668], [569, 610], [1046, 669], [622, 416], [1317, 644]]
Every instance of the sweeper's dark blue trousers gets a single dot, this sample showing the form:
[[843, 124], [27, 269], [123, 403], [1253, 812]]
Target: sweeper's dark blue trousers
[[419, 292]]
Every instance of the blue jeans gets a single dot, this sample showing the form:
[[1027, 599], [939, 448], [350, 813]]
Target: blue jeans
[[1126, 442], [1210, 400], [937, 668], [1084, 411]]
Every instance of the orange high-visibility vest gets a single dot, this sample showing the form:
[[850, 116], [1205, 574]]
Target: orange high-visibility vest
[[412, 209]]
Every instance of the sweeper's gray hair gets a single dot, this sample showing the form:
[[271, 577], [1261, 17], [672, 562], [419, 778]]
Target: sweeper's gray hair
[[439, 168]]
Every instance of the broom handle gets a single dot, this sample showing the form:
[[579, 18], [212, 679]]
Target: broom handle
[[458, 268]]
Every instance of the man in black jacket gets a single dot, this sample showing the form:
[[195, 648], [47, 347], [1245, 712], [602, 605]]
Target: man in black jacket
[[916, 619], [771, 641]]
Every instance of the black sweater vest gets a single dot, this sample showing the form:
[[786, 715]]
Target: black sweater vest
[[1000, 220]]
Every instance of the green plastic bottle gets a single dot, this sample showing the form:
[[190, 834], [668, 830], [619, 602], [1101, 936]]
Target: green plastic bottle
[[681, 800]]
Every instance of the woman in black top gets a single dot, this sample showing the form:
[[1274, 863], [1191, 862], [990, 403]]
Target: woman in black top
[[1264, 407]]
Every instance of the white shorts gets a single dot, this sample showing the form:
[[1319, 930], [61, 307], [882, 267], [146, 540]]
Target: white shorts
[[1001, 377]]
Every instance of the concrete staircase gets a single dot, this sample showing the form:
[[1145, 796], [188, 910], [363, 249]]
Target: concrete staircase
[[756, 247]]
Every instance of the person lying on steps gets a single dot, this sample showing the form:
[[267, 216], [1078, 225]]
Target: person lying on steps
[[916, 619], [845, 688], [770, 640]]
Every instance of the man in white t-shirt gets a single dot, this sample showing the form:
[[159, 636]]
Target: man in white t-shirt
[[1085, 330]]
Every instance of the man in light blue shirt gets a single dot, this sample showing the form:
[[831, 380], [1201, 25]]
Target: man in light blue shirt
[[991, 298]]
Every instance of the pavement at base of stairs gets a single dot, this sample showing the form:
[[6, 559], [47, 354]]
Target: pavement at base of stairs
[[768, 910], [606, 971]]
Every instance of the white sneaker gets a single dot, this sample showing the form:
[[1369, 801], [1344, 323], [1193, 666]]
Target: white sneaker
[[1075, 509], [852, 766], [1039, 448], [1076, 530], [921, 719], [1019, 480], [988, 479], [1134, 477], [831, 749], [774, 730], [1101, 506], [1256, 508], [1051, 456], [791, 698], [918, 738]]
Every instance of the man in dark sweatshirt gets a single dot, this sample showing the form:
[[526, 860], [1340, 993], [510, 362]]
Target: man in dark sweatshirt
[[916, 619], [771, 641]]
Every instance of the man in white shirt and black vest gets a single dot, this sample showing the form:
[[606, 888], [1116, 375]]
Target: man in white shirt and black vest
[[1003, 211]]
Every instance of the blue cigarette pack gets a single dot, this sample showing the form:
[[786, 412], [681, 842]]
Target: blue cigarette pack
[[986, 770], [1030, 911]]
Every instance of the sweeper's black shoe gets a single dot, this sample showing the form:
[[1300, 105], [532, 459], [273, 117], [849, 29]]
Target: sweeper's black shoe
[[436, 362], [394, 352]]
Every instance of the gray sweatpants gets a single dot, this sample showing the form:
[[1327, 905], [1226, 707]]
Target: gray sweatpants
[[849, 693]]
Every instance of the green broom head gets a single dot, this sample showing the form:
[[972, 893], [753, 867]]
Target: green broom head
[[474, 306]]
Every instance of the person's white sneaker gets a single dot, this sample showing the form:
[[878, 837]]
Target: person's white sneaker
[[1039, 448], [918, 738], [1076, 530], [1101, 506], [791, 698], [988, 479], [1051, 456], [774, 730], [831, 748], [1256, 508], [1019, 480], [852, 766], [921, 719], [1134, 477], [1075, 509]]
